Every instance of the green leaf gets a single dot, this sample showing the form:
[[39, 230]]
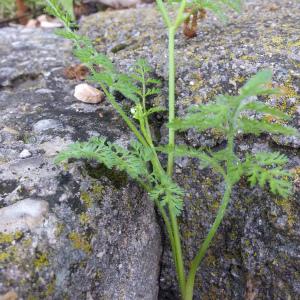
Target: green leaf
[[133, 161], [155, 109], [218, 7], [168, 193], [102, 60], [152, 91], [68, 7], [257, 85], [55, 8], [261, 107], [103, 78], [88, 55], [70, 35], [153, 81], [267, 168], [260, 126], [203, 117], [206, 160], [126, 87]]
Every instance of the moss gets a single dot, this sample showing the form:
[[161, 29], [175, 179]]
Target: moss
[[119, 179], [6, 238], [296, 175], [211, 260], [79, 242], [247, 243], [188, 234], [41, 261]]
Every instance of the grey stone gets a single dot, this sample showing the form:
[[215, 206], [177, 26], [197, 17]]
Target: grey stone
[[100, 238], [23, 215], [47, 124], [94, 234]]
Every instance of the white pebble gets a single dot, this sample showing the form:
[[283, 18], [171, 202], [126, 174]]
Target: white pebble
[[25, 154]]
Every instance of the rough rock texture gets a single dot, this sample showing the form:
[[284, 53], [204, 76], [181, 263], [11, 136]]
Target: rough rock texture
[[99, 239], [256, 254], [76, 231]]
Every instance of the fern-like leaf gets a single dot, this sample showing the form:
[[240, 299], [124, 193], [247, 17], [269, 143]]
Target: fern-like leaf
[[258, 85], [206, 160], [203, 117], [227, 113], [56, 9], [133, 161], [263, 108], [259, 126], [218, 7], [125, 85], [166, 192], [267, 168]]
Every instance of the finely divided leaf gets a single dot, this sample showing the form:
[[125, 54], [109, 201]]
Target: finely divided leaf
[[133, 162], [267, 168], [258, 85], [168, 193], [260, 126], [125, 85], [261, 107], [203, 117]]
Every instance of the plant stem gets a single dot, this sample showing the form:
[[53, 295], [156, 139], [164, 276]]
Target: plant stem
[[164, 13], [202, 251], [176, 233], [171, 99], [118, 108]]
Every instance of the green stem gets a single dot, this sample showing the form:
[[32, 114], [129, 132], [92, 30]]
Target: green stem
[[119, 109], [178, 251], [171, 99], [202, 251], [164, 12]]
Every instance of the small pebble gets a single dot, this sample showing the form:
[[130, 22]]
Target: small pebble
[[88, 94], [25, 154]]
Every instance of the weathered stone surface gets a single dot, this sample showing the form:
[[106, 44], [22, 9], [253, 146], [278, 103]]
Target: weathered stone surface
[[100, 238], [22, 216], [76, 231], [256, 252]]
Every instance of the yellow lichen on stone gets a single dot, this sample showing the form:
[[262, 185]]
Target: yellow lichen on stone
[[97, 189], [27, 242], [277, 40], [41, 261], [8, 238], [86, 198], [84, 218], [248, 57], [294, 44], [79, 242], [50, 288], [59, 229], [287, 207], [4, 256]]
